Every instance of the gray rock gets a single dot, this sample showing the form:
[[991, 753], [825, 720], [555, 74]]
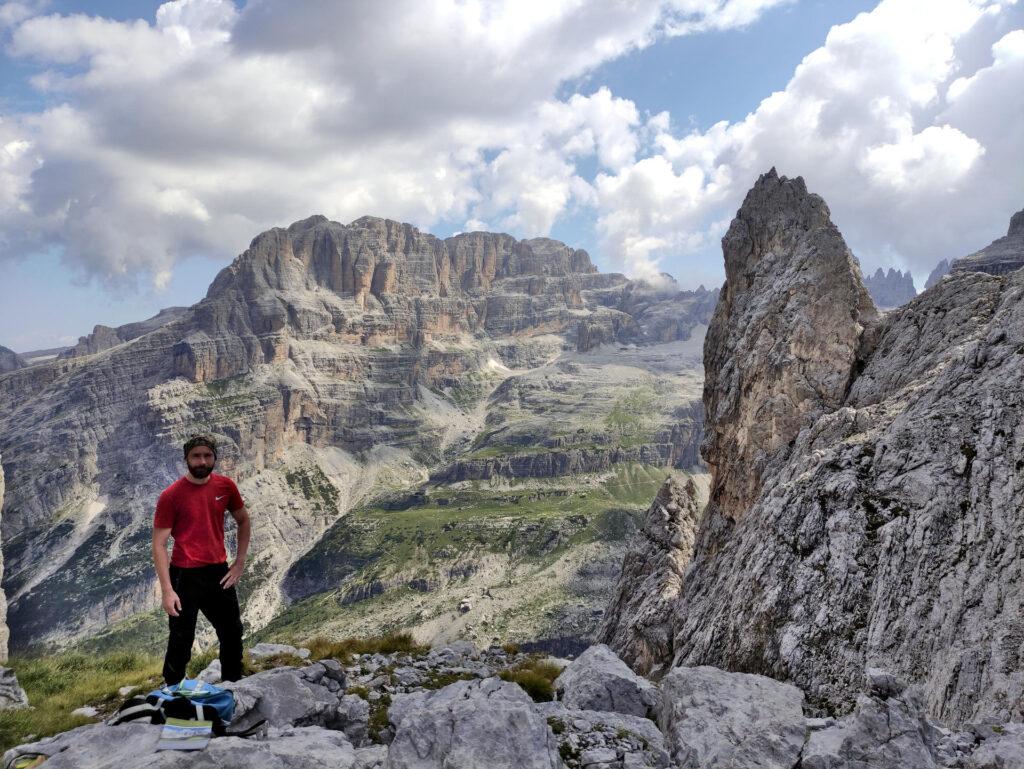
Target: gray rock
[[937, 274], [353, 718], [11, 694], [95, 746], [599, 680], [638, 623], [879, 734], [470, 724], [589, 758], [649, 749], [270, 650], [719, 720], [1000, 257], [1004, 749], [289, 697], [866, 505], [125, 746], [211, 673], [86, 710], [371, 757]]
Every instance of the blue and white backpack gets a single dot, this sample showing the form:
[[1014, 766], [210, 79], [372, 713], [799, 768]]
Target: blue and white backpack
[[189, 699]]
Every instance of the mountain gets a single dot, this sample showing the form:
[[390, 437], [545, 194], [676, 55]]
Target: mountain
[[420, 427], [10, 360], [937, 274], [890, 289], [1000, 257], [866, 507], [105, 337]]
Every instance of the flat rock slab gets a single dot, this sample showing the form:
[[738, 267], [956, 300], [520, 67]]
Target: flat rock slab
[[719, 720], [599, 680], [469, 725], [127, 746]]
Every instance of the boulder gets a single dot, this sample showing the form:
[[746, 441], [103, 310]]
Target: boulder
[[470, 724], [879, 734], [309, 696], [599, 680], [719, 720], [11, 693]]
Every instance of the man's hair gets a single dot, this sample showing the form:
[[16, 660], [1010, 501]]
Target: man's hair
[[200, 440]]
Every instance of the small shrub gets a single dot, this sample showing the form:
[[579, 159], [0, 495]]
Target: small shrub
[[510, 648], [378, 717], [556, 725], [535, 676]]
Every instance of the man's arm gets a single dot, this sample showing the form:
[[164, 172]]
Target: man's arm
[[169, 599], [241, 516]]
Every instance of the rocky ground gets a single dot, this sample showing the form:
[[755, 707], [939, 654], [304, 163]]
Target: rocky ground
[[458, 707]]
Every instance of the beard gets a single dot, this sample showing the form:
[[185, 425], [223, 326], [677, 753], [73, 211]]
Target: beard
[[200, 472]]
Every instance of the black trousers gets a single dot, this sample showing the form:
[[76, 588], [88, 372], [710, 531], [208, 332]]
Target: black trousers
[[200, 590]]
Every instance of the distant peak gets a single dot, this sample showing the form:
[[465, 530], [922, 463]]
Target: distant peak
[[1016, 224], [309, 222]]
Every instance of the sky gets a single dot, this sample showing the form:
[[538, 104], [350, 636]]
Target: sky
[[144, 145]]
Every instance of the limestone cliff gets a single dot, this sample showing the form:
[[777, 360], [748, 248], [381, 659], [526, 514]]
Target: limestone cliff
[[937, 274], [1000, 257], [867, 502], [639, 621], [10, 360], [333, 362], [4, 632], [105, 337]]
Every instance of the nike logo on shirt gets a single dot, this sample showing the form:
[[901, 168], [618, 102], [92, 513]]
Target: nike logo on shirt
[[218, 499]]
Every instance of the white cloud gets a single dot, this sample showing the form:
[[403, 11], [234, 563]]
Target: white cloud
[[191, 134], [918, 159]]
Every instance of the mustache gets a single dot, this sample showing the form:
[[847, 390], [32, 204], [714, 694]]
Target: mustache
[[200, 471]]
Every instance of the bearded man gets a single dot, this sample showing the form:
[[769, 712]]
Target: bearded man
[[197, 578]]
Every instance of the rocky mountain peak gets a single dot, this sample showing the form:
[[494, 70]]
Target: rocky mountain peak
[[890, 289], [784, 338], [1016, 224], [1001, 256], [865, 472]]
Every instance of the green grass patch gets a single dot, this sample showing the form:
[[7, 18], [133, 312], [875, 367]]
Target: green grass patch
[[58, 684], [345, 649], [535, 677]]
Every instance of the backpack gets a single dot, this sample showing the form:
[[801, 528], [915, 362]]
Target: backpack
[[189, 700]]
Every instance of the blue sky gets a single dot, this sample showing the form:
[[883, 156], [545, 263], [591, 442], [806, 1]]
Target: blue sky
[[142, 156]]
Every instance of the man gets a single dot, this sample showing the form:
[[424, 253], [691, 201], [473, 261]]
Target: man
[[198, 578]]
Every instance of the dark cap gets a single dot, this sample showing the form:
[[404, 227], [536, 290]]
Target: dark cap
[[200, 440]]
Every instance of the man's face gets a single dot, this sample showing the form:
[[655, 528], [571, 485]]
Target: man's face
[[200, 461]]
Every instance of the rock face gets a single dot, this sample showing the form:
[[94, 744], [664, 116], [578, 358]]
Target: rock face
[[783, 342], [105, 337], [1000, 257], [334, 363], [867, 504], [940, 271], [890, 289], [5, 633], [639, 620], [10, 360]]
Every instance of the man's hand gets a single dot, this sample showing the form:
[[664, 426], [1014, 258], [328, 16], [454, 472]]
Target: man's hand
[[233, 575], [172, 604]]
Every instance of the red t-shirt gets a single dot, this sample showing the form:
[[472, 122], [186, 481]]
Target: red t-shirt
[[195, 515]]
